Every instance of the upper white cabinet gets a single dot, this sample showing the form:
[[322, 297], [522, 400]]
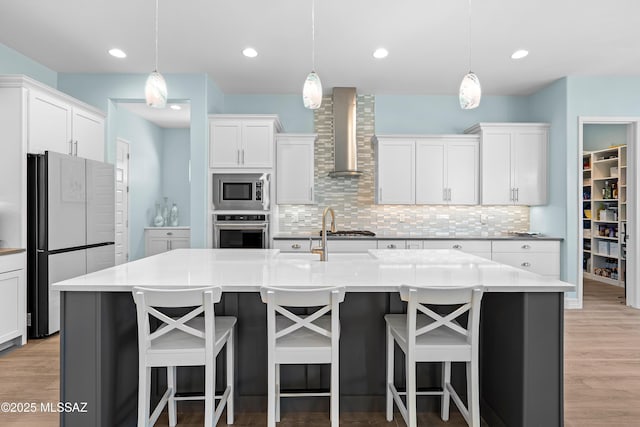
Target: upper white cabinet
[[294, 168], [426, 169], [447, 170], [513, 162], [57, 123], [242, 141], [395, 170]]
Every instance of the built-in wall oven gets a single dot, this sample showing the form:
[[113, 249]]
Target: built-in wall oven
[[241, 231], [240, 191]]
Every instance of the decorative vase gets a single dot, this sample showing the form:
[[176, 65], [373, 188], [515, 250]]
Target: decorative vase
[[165, 211], [174, 216], [158, 220]]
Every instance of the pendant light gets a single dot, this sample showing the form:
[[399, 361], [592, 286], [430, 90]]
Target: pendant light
[[155, 90], [470, 90], [312, 89]]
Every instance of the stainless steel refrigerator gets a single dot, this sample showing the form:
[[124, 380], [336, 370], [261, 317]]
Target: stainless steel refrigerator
[[70, 229]]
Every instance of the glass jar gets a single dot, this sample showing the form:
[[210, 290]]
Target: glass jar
[[158, 220]]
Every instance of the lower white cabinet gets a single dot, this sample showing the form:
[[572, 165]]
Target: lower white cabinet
[[163, 239], [481, 248], [541, 257], [13, 300], [351, 246], [337, 246], [293, 245], [392, 244]]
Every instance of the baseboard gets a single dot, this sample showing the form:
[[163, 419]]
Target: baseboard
[[572, 303]]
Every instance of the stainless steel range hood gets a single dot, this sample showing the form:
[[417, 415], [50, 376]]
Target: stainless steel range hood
[[344, 132]]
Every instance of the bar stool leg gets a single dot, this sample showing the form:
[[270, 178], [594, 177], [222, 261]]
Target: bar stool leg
[[144, 391], [209, 393], [446, 395], [230, 378], [335, 393], [278, 393], [411, 390], [390, 348], [271, 394], [473, 393], [171, 383]]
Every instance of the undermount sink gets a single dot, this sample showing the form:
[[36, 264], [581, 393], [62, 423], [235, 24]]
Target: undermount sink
[[333, 257]]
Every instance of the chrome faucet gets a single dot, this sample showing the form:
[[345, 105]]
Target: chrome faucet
[[322, 250]]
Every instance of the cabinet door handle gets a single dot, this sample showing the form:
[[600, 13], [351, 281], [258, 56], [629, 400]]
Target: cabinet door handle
[[457, 246], [391, 246], [70, 147], [526, 264], [380, 194], [238, 156], [526, 247], [167, 245], [517, 194], [449, 197], [169, 233], [311, 193], [76, 144], [243, 156], [295, 246], [444, 194]]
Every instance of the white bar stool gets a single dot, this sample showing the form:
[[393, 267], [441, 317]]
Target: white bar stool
[[191, 340], [426, 336], [308, 339]]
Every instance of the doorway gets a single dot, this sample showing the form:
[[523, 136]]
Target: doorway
[[608, 217], [122, 201]]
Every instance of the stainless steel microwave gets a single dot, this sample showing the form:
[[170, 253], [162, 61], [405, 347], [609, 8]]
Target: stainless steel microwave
[[241, 191]]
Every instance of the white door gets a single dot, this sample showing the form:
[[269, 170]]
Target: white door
[[529, 160], [224, 146], [257, 145], [66, 265], [430, 178], [49, 124], [396, 172], [294, 160], [462, 172], [66, 207], [100, 202], [88, 135], [122, 202], [496, 167]]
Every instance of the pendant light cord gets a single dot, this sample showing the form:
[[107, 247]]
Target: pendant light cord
[[313, 35], [156, 68], [469, 36]]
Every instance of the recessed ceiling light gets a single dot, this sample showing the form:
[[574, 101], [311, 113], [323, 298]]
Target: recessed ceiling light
[[519, 54], [380, 53], [175, 107], [250, 52], [118, 53]]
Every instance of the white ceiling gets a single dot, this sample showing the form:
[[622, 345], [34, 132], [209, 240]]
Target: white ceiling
[[427, 41]]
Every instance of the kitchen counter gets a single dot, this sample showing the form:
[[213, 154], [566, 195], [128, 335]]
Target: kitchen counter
[[521, 337], [9, 251], [400, 236]]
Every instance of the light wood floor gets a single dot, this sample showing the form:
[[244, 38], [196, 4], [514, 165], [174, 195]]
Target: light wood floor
[[602, 375]]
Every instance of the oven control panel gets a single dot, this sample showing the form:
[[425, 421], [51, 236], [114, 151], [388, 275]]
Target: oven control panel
[[241, 217]]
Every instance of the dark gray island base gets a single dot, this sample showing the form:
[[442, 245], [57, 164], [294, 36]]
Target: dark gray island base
[[521, 358]]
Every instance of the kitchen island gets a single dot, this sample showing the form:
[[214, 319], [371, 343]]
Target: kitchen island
[[520, 349]]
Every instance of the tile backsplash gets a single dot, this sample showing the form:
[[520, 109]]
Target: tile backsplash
[[352, 198]]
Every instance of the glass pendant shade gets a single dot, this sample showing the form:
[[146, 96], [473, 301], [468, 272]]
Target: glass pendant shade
[[312, 91], [155, 90], [470, 91]]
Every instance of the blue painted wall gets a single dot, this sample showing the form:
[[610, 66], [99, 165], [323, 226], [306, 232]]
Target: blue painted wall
[[600, 136], [289, 108], [441, 114], [175, 171], [102, 89], [13, 62], [145, 168]]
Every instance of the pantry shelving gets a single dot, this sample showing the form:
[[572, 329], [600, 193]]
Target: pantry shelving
[[604, 214]]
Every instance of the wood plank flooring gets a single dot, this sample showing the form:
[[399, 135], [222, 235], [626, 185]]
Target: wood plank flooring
[[602, 375]]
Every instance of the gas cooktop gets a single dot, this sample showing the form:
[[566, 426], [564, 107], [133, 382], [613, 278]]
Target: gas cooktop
[[350, 233]]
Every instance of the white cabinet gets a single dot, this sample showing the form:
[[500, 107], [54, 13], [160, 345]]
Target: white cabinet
[[13, 300], [391, 244], [163, 239], [242, 141], [294, 168], [56, 123], [293, 245], [395, 171], [481, 248], [427, 169], [333, 245], [513, 162], [541, 257], [447, 170]]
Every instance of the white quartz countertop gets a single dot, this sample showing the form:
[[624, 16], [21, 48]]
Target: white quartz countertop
[[409, 236], [246, 270]]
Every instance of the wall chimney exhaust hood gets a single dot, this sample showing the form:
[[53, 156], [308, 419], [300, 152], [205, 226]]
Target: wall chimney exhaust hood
[[345, 150]]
